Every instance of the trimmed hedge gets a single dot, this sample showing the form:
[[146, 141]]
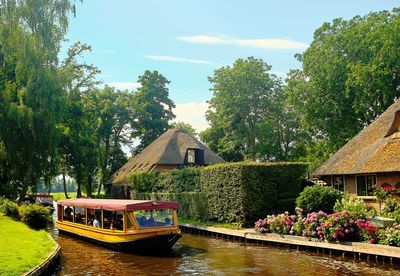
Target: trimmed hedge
[[243, 192], [175, 181], [193, 205], [234, 192]]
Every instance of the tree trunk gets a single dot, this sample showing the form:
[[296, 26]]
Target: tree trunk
[[79, 182], [89, 186], [104, 175], [65, 186]]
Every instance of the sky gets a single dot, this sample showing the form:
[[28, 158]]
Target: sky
[[187, 40]]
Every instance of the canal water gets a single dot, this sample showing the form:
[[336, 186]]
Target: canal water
[[198, 255]]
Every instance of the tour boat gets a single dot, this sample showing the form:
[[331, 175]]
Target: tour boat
[[121, 224]]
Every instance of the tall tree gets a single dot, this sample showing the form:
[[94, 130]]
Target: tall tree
[[113, 113], [30, 94], [153, 108], [79, 122], [185, 127], [351, 74], [242, 109]]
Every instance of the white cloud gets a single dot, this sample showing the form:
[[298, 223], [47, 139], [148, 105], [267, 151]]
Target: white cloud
[[124, 85], [205, 39], [177, 59], [265, 43], [192, 113]]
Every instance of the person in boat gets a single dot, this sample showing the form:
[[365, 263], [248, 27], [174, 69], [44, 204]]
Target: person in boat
[[68, 213], [96, 223]]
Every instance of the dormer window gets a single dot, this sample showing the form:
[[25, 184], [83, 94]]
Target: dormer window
[[191, 156]]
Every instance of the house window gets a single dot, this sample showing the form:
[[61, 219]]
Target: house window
[[338, 183], [364, 184], [191, 156]]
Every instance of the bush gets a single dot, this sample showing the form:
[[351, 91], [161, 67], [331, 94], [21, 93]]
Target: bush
[[243, 192], [9, 208], [35, 216], [312, 224], [318, 198], [390, 236], [355, 206]]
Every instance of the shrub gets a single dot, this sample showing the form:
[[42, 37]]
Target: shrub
[[279, 224], [356, 206], [175, 181], [391, 208], [318, 198], [243, 192], [35, 216], [341, 226], [9, 208], [390, 236], [312, 224]]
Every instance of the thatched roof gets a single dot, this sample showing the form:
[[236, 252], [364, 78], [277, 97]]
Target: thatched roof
[[375, 149], [168, 149]]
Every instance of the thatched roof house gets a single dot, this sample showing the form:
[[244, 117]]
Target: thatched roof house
[[174, 149], [371, 157]]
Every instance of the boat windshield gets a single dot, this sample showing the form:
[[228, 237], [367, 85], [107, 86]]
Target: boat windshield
[[154, 218]]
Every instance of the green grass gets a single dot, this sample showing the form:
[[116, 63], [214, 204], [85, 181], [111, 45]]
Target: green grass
[[21, 248], [212, 224], [61, 195]]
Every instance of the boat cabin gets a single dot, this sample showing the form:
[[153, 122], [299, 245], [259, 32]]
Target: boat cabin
[[121, 224]]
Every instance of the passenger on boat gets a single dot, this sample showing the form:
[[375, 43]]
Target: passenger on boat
[[96, 223], [68, 213]]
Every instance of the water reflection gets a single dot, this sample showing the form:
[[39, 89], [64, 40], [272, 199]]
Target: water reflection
[[195, 255]]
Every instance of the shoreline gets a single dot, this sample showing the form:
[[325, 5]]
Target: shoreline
[[359, 250]]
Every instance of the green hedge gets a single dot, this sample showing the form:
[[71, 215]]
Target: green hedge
[[233, 192], [244, 192], [175, 181], [193, 205]]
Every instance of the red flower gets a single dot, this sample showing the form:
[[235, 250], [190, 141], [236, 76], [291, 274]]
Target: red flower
[[372, 240], [388, 188]]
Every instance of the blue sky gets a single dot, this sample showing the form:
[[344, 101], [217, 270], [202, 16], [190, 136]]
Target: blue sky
[[187, 40]]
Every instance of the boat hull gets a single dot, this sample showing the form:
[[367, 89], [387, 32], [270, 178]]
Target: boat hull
[[148, 240], [153, 244]]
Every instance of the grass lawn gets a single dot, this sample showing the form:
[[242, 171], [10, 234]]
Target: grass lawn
[[61, 195], [21, 248]]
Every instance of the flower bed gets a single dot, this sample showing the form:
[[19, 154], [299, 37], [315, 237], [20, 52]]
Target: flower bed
[[339, 226]]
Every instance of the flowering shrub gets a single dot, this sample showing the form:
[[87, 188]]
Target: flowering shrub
[[280, 224], [313, 224], [340, 226], [368, 232], [356, 206], [261, 226], [391, 236]]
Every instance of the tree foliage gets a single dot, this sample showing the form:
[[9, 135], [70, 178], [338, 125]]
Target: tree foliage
[[350, 75], [153, 108], [248, 116], [187, 128]]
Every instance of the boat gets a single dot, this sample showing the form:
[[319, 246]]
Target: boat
[[121, 224]]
